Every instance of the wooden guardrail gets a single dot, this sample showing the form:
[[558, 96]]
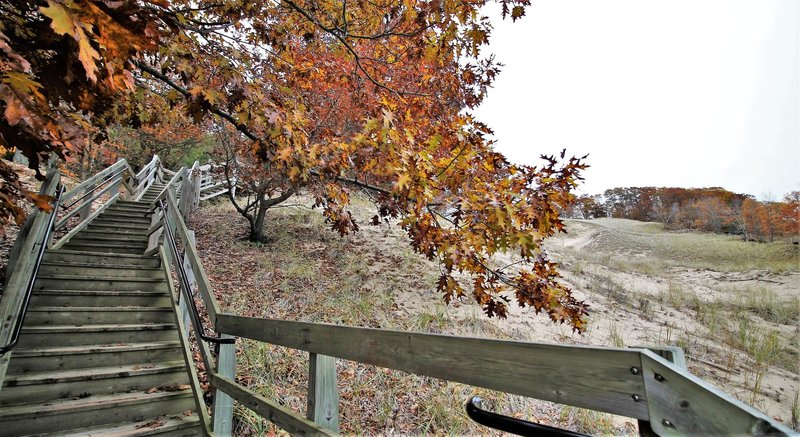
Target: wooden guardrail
[[76, 203], [21, 265], [637, 383], [106, 182]]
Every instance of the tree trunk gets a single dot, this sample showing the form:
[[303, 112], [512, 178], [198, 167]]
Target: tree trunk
[[257, 223]]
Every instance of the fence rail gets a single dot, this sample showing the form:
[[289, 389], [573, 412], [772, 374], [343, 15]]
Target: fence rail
[[637, 383]]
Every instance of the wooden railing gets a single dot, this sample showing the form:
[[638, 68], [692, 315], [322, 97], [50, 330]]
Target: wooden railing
[[77, 208], [21, 265], [91, 197], [637, 383]]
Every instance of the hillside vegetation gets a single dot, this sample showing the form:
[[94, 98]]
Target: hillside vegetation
[[733, 306]]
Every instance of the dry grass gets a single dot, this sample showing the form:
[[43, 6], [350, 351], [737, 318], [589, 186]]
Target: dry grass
[[306, 272], [641, 281]]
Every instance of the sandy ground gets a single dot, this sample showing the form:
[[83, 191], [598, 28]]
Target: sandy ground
[[645, 287], [641, 318]]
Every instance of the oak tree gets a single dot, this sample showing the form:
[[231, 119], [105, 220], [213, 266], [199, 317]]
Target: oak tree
[[326, 96]]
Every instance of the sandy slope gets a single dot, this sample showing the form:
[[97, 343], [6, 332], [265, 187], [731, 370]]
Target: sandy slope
[[645, 287]]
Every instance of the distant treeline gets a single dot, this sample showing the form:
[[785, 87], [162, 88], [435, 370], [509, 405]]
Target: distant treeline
[[708, 209]]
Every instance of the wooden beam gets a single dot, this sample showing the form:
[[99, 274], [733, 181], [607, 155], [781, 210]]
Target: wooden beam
[[92, 180], [680, 403], [174, 180], [21, 266], [323, 391], [80, 226], [202, 411], [281, 416], [88, 203], [203, 284], [589, 377], [223, 402]]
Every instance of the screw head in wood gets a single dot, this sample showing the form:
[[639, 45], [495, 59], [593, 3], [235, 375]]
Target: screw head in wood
[[636, 398], [659, 378], [635, 370], [667, 423]]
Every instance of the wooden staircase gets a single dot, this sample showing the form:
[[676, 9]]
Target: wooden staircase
[[100, 351]]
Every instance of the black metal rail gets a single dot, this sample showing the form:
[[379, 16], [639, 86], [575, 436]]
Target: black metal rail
[[194, 312], [511, 424], [29, 289]]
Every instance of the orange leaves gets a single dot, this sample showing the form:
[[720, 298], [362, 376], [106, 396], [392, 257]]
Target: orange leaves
[[65, 22], [42, 202]]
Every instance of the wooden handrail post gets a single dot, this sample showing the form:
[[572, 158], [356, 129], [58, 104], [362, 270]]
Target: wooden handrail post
[[223, 403], [86, 212], [187, 265], [323, 392], [672, 354]]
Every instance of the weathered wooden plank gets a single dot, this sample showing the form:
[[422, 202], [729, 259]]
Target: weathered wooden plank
[[223, 403], [213, 195], [21, 267], [187, 266], [150, 165], [202, 412], [80, 226], [210, 186], [203, 284], [323, 391], [682, 404], [119, 165], [588, 377], [272, 411], [88, 203], [154, 232]]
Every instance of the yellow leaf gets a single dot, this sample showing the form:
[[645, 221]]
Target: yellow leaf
[[87, 54], [61, 20]]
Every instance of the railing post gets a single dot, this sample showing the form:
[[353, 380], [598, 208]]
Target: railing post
[[672, 354], [223, 404], [184, 200], [182, 304], [323, 393], [88, 210], [197, 176]]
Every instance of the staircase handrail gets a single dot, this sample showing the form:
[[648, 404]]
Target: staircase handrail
[[633, 382], [26, 298], [118, 167], [104, 182], [185, 286], [21, 265], [147, 176]]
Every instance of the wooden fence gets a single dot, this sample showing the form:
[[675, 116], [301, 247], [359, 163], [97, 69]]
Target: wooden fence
[[637, 383]]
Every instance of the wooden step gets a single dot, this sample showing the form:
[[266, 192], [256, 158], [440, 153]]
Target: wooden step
[[86, 270], [172, 425], [76, 357], [92, 411], [138, 208], [133, 218], [68, 282], [110, 235], [65, 384], [119, 223], [100, 259], [128, 203], [70, 335], [96, 315], [130, 250], [106, 298], [117, 229]]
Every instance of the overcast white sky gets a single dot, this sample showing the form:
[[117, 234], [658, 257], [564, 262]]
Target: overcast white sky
[[689, 93]]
